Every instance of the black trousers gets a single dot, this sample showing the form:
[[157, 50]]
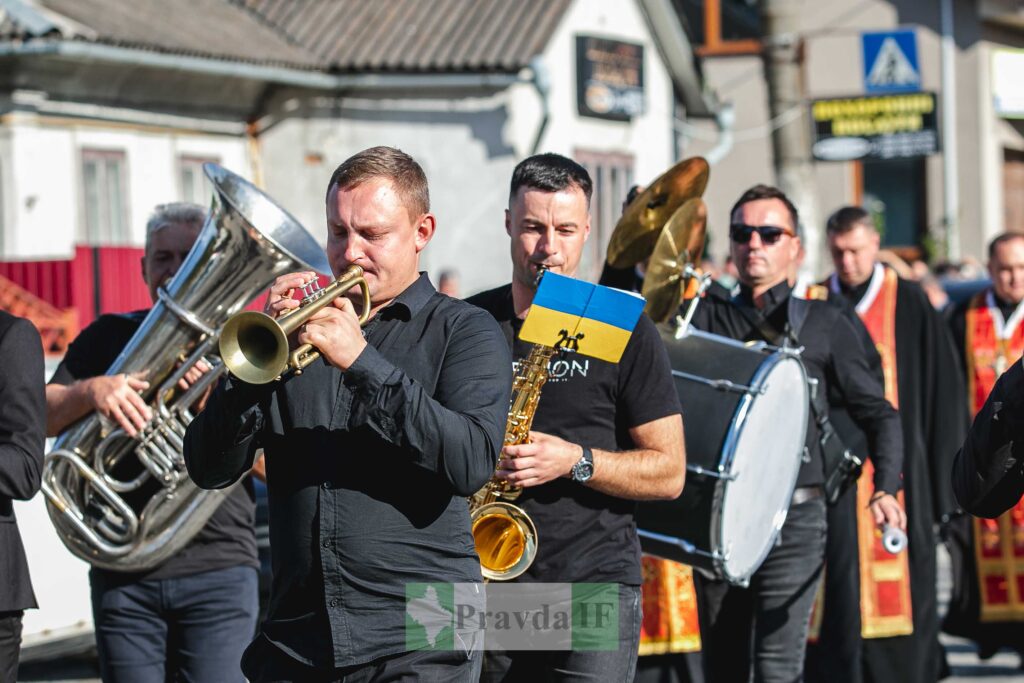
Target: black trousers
[[764, 626], [263, 662], [10, 645]]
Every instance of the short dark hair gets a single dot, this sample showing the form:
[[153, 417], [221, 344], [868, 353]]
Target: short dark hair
[[1002, 239], [768, 192], [847, 218], [550, 173], [385, 162]]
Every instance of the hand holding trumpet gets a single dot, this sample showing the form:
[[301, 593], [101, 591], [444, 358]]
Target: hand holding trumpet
[[334, 330], [256, 347]]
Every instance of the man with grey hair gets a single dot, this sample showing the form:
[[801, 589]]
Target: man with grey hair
[[192, 616]]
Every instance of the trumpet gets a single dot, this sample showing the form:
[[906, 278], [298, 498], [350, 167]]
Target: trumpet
[[254, 346]]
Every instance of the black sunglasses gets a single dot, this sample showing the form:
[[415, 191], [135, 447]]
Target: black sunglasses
[[769, 234]]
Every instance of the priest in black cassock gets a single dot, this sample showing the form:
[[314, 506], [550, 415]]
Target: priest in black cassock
[[989, 334], [879, 619]]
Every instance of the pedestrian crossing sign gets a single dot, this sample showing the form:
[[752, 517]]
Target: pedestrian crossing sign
[[890, 62]]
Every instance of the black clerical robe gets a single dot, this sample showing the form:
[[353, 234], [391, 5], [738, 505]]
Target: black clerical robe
[[964, 615], [933, 414]]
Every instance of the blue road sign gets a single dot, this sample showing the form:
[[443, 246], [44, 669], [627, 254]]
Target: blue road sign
[[890, 62]]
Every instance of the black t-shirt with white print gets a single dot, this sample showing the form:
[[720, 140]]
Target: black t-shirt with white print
[[583, 534]]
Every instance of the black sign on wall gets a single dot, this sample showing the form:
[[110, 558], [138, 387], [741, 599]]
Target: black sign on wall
[[609, 78], [903, 126]]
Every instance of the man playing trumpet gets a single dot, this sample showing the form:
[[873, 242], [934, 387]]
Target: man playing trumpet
[[372, 450]]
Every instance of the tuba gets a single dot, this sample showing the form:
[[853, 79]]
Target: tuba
[[127, 503]]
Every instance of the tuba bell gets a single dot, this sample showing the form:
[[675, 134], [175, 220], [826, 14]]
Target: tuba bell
[[127, 503]]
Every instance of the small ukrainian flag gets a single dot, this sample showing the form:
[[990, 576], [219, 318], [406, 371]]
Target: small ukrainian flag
[[583, 317]]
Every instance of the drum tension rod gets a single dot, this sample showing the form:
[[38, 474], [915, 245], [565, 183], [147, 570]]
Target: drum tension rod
[[722, 384], [682, 544], [697, 469]]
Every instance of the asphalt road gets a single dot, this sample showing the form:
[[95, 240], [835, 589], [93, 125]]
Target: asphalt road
[[963, 658]]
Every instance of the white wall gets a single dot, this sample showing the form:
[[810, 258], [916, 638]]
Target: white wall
[[464, 155], [648, 137], [43, 198]]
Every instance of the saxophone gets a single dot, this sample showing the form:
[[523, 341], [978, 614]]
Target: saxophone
[[505, 537]]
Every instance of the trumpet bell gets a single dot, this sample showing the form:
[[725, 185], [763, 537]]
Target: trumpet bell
[[505, 539], [254, 347]]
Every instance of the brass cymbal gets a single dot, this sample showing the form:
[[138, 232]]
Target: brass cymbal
[[637, 231], [681, 242]]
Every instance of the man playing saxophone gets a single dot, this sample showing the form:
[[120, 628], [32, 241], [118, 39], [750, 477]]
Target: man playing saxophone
[[193, 615], [604, 435], [372, 450]]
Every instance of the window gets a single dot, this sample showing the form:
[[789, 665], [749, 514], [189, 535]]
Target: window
[[894, 192], [721, 27], [612, 174], [1013, 190], [195, 187], [105, 198]]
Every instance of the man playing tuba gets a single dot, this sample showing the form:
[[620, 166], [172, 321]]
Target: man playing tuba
[[194, 613]]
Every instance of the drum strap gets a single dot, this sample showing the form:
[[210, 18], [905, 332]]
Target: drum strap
[[796, 314]]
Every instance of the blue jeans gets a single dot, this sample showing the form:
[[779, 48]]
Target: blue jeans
[[542, 666], [764, 626], [193, 628]]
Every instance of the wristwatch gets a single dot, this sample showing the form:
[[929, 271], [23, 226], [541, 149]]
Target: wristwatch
[[583, 470]]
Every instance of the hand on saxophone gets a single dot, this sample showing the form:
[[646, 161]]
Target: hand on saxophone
[[544, 458], [282, 292], [116, 397], [335, 332]]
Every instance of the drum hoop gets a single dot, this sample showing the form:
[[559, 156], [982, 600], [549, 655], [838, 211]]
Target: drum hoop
[[759, 345], [726, 463]]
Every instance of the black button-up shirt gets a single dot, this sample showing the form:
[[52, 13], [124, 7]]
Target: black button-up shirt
[[368, 472], [835, 355], [988, 473]]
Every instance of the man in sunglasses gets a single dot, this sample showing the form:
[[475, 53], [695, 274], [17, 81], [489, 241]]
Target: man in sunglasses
[[880, 617], [774, 611]]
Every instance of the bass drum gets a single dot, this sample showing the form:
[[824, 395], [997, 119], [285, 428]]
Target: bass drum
[[745, 416]]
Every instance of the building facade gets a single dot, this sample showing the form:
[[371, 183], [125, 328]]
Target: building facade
[[910, 196], [102, 118]]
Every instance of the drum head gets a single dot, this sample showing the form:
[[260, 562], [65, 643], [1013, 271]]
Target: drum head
[[768, 447]]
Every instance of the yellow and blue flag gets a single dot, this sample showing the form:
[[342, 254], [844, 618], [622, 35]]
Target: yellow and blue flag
[[583, 317]]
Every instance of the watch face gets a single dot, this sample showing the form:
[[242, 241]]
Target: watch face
[[583, 471]]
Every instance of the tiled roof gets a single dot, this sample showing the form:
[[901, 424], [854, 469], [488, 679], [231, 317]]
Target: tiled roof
[[335, 35], [206, 28], [416, 35]]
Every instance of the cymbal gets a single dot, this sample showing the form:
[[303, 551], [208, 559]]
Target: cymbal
[[637, 231], [681, 242]]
